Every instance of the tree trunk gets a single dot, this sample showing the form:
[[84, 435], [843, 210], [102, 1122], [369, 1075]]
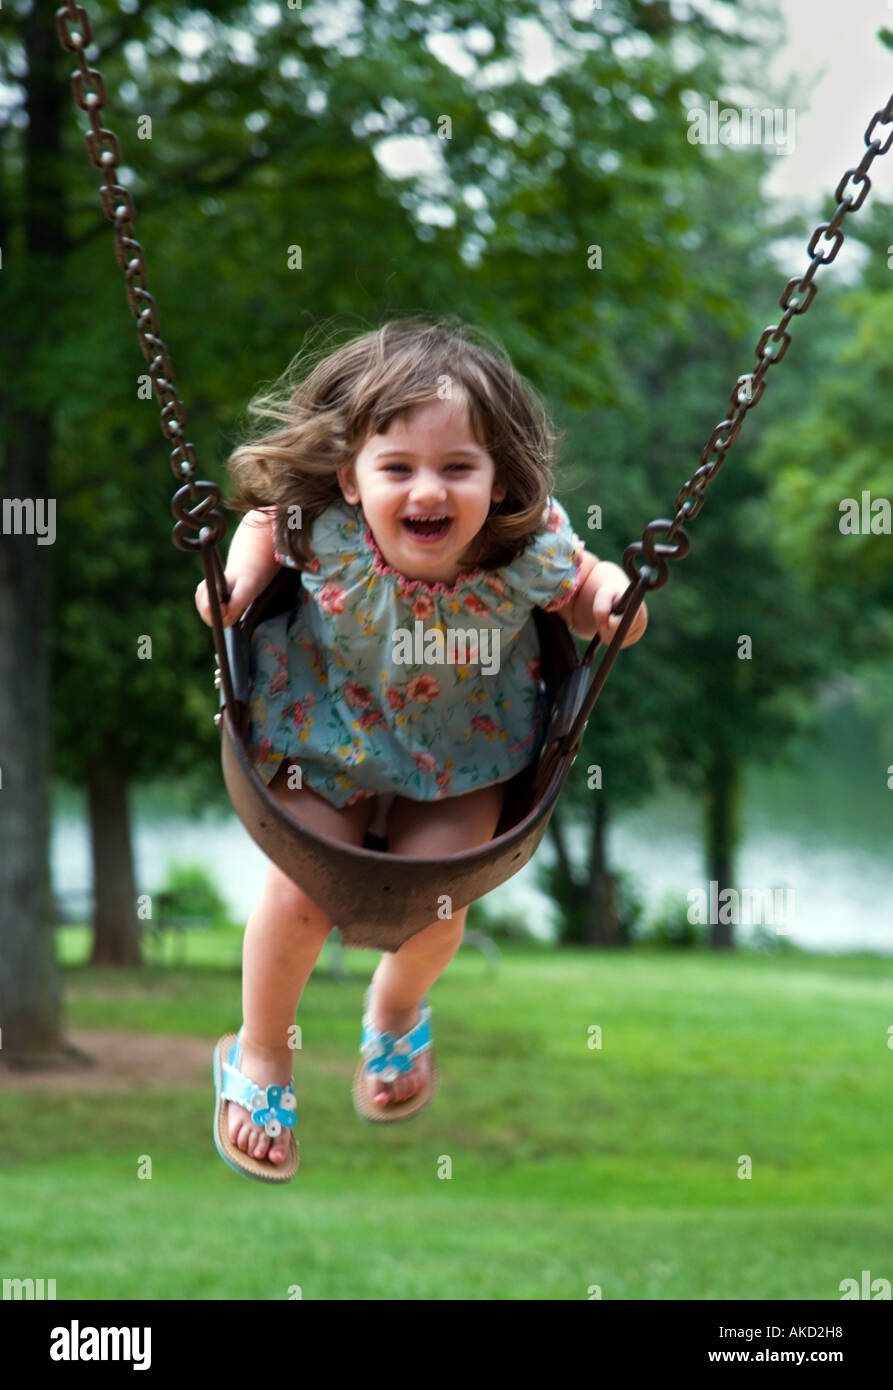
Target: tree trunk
[[721, 825], [116, 929], [556, 830], [30, 986], [571, 893], [602, 926]]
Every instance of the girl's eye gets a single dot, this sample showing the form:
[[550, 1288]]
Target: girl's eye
[[388, 467]]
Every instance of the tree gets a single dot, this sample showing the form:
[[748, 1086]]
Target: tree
[[30, 1000], [691, 703], [243, 120], [256, 211], [831, 481]]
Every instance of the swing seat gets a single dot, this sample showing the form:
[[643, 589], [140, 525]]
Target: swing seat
[[376, 899]]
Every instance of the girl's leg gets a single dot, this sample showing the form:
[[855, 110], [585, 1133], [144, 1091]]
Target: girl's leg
[[283, 938], [403, 977]]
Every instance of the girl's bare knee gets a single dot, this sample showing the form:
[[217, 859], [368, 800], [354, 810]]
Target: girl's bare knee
[[293, 902]]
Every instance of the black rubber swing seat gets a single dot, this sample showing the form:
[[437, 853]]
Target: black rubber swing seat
[[376, 899]]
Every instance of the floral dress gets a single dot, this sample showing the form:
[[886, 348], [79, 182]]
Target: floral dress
[[376, 683]]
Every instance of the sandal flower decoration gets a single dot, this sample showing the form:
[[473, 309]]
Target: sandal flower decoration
[[388, 1056], [272, 1109]]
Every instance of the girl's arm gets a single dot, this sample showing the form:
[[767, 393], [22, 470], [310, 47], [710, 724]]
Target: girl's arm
[[590, 610], [251, 552], [250, 565]]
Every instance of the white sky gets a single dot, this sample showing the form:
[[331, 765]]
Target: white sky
[[842, 70], [835, 42]]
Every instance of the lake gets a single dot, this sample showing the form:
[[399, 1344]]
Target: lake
[[815, 837]]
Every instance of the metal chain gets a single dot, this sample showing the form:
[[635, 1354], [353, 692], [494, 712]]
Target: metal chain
[[196, 504], [690, 498], [654, 573]]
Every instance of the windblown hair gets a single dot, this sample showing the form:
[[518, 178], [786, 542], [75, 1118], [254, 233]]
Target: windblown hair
[[325, 417]]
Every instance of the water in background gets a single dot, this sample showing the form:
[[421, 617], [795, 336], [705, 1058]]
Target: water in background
[[821, 827]]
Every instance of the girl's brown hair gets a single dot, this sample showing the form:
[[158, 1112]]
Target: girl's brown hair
[[325, 417]]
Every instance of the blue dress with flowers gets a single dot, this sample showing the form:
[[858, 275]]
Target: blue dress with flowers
[[337, 687]]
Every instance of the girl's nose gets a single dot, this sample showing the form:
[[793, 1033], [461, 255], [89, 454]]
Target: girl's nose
[[427, 487]]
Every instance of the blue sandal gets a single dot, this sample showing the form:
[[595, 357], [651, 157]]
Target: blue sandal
[[272, 1108], [385, 1057]]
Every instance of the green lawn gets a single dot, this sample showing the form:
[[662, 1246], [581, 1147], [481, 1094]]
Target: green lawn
[[570, 1166]]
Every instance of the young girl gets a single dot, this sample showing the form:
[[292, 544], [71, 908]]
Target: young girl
[[410, 481]]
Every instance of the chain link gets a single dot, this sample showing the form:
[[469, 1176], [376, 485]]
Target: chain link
[[88, 90], [750, 387], [196, 504], [655, 571]]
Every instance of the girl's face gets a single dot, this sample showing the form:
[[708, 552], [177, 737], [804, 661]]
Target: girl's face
[[428, 465]]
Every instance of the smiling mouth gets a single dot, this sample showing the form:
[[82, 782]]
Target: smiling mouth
[[427, 528]]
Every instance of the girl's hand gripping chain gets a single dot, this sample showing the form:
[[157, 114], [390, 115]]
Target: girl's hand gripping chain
[[615, 583], [250, 566], [243, 589]]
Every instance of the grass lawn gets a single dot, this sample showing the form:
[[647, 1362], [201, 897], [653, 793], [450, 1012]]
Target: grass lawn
[[568, 1166]]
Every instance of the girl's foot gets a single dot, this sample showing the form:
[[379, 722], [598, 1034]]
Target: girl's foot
[[266, 1067], [382, 1092]]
